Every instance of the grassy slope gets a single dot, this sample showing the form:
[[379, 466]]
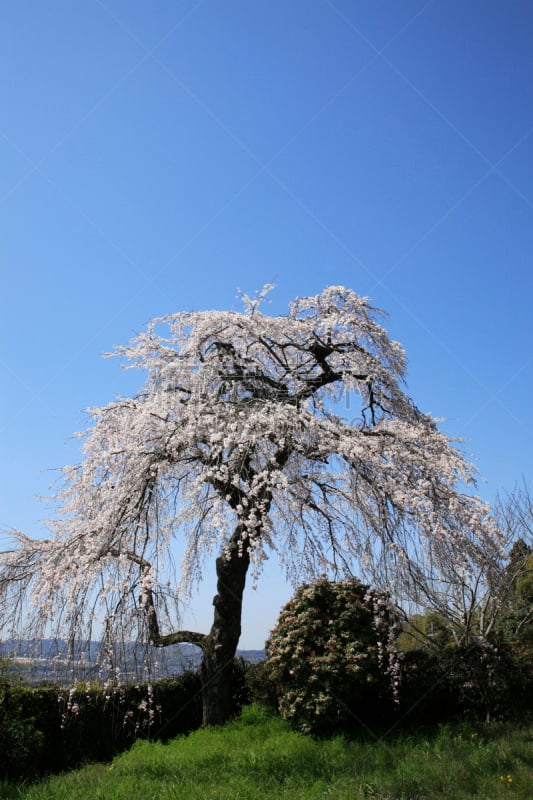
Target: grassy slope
[[260, 757]]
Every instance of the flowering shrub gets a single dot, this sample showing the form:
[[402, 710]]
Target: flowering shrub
[[331, 655]]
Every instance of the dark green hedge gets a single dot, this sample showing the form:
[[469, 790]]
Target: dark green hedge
[[47, 729]]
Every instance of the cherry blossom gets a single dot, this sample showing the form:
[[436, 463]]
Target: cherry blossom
[[244, 442]]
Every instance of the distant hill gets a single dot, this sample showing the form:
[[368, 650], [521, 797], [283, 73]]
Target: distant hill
[[253, 656], [49, 660]]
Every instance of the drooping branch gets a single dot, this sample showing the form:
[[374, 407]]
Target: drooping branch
[[146, 600], [156, 639], [237, 444]]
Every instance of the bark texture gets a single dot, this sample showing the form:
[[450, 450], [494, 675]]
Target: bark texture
[[220, 646]]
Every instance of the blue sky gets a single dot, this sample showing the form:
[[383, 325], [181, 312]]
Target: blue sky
[[156, 156]]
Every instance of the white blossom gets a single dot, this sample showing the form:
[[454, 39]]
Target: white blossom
[[240, 426]]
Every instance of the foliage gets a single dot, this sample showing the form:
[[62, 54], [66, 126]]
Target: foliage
[[259, 756], [503, 606], [47, 729], [261, 686], [332, 655], [429, 631], [480, 679], [487, 681], [482, 667], [238, 445], [21, 742], [515, 621]]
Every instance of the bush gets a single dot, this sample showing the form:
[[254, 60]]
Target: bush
[[331, 657], [261, 686], [479, 680], [46, 729], [489, 680], [427, 696], [20, 740]]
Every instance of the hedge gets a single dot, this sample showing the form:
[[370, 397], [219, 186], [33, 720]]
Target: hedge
[[47, 729]]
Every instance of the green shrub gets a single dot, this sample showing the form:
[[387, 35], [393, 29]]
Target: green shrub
[[46, 729], [477, 680], [261, 685], [21, 742], [332, 658], [489, 680]]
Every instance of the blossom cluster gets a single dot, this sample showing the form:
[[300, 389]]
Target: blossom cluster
[[237, 446]]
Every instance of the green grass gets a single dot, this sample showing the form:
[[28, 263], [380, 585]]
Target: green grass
[[260, 757]]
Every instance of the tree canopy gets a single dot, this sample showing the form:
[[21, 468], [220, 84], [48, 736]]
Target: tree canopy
[[242, 443]]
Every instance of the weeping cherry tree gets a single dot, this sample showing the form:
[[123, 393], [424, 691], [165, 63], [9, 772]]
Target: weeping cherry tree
[[245, 442]]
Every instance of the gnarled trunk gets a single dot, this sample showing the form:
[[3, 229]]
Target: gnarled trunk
[[220, 645]]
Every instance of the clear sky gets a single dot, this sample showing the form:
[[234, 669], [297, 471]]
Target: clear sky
[[156, 156]]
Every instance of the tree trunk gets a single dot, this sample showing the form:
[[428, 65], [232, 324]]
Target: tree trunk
[[220, 645]]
